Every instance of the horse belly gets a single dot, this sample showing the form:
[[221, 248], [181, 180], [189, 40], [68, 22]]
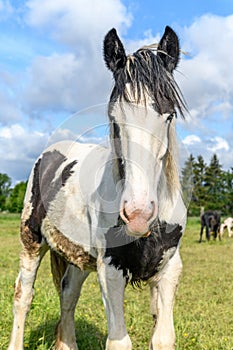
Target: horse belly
[[68, 212]]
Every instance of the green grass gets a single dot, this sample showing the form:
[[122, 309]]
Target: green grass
[[203, 309]]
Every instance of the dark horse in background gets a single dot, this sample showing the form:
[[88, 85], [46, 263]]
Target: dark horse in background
[[211, 221]]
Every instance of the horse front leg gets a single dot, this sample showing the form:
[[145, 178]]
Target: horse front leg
[[162, 302], [215, 233], [230, 232], [154, 301], [112, 285], [207, 233], [71, 285], [201, 233], [29, 263]]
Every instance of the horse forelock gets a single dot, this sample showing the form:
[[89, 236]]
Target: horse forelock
[[144, 76]]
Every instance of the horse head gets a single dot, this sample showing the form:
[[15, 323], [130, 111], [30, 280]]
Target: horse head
[[142, 111]]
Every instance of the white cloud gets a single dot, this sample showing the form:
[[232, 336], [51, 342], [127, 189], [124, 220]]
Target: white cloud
[[18, 142], [207, 76], [78, 22], [217, 144], [19, 149], [207, 147], [71, 81], [148, 39], [9, 111], [74, 77], [53, 83], [191, 139], [206, 80]]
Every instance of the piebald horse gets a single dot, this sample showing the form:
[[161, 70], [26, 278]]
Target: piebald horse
[[117, 210]]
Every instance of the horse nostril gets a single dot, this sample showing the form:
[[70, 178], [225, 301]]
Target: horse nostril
[[123, 213]]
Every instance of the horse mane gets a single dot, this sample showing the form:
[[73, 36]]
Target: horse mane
[[145, 73], [171, 161]]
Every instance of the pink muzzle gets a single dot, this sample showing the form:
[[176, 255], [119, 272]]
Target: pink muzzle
[[137, 220]]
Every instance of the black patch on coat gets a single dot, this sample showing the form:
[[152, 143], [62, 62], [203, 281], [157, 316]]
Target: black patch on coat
[[116, 137], [140, 258], [44, 189]]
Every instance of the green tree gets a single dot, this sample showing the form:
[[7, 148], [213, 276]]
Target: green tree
[[212, 187], [187, 182], [213, 184], [5, 184], [199, 191], [227, 192], [14, 202]]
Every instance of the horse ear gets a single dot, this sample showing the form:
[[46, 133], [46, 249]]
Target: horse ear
[[169, 49], [114, 52]]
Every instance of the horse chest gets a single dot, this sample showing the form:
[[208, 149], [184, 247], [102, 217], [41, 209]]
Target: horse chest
[[141, 259]]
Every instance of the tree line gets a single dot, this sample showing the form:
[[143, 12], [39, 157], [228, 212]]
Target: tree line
[[207, 186], [204, 185], [11, 198]]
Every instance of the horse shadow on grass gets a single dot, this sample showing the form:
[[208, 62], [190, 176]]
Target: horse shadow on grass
[[88, 336]]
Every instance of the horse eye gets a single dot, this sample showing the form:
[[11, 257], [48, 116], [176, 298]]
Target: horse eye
[[170, 117]]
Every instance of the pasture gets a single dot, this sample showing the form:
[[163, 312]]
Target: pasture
[[203, 309]]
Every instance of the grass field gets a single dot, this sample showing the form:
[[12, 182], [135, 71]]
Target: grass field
[[203, 309]]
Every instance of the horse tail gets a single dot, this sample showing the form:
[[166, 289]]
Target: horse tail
[[58, 268]]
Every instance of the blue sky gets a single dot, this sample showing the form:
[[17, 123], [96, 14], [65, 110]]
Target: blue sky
[[157, 14], [51, 67]]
